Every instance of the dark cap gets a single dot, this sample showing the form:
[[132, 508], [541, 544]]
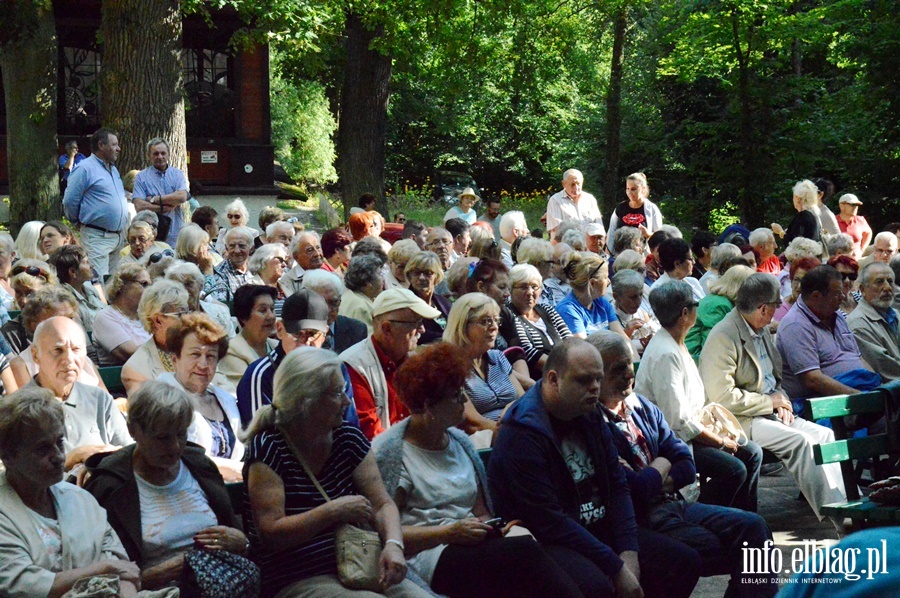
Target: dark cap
[[304, 310]]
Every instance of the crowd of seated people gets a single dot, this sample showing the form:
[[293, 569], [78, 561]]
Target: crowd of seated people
[[338, 378]]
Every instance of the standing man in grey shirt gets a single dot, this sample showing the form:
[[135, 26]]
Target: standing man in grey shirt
[[93, 422], [162, 188], [95, 199], [492, 215]]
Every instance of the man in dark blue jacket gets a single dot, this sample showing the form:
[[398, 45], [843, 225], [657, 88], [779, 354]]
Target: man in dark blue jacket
[[554, 466], [658, 464]]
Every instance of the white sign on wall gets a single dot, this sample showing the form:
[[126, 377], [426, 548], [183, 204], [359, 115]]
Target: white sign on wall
[[209, 157]]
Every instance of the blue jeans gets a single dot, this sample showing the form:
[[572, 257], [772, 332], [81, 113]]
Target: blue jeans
[[729, 480], [718, 535]]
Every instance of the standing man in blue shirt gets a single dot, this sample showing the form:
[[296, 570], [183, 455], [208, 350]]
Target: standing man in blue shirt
[[67, 162], [161, 188], [95, 199]]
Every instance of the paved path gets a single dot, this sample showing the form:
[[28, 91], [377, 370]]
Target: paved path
[[791, 521]]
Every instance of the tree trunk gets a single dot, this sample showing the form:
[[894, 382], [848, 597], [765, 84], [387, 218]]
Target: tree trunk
[[142, 80], [747, 192], [29, 64], [362, 128], [614, 113]]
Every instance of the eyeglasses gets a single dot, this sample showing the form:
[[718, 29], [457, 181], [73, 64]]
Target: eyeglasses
[[234, 216], [177, 314], [140, 240], [774, 304], [159, 255], [849, 276], [693, 304], [143, 283], [292, 220], [487, 322], [401, 220], [416, 324], [307, 335], [527, 287], [29, 270]]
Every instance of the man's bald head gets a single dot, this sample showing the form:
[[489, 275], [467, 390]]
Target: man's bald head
[[56, 328], [59, 351]]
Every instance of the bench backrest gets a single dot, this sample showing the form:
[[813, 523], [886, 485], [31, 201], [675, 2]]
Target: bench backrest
[[112, 378], [845, 448]]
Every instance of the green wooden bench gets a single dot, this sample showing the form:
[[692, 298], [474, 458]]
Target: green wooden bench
[[112, 378], [14, 313], [846, 449], [485, 455]]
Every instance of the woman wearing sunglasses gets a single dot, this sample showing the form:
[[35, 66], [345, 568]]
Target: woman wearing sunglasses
[[142, 242], [267, 264], [118, 331], [26, 277]]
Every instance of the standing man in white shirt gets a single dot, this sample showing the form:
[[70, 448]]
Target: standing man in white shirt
[[572, 204]]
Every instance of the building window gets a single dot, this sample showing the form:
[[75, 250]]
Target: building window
[[79, 104], [209, 99]]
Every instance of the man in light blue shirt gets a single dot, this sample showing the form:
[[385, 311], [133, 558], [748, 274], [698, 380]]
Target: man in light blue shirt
[[95, 199], [161, 188]]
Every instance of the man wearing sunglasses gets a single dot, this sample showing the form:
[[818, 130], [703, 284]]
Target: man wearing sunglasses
[[162, 188]]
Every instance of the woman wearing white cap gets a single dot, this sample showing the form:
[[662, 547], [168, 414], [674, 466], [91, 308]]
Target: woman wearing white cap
[[637, 211], [464, 210], [854, 225]]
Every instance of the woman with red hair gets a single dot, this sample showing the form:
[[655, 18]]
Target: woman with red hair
[[365, 224], [799, 268], [438, 482]]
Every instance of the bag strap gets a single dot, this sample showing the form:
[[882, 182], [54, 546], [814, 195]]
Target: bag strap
[[299, 458]]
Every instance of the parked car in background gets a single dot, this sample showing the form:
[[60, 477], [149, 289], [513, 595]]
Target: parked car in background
[[448, 184]]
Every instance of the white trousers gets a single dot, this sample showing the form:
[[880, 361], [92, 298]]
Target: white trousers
[[820, 484]]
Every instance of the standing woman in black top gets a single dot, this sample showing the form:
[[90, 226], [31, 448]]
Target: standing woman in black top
[[637, 211], [806, 222]]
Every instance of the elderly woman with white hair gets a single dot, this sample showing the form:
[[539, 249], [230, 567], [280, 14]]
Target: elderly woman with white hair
[[238, 216], [840, 244], [537, 327], [801, 247], [192, 246], [473, 325], [192, 279], [162, 306], [399, 255], [539, 253], [721, 253], [233, 272], [307, 472], [267, 265], [763, 241], [53, 533], [715, 306], [628, 297], [806, 223], [161, 495], [140, 240], [364, 282], [118, 331]]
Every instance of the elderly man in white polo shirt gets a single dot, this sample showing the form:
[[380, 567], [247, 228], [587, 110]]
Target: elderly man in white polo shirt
[[572, 204]]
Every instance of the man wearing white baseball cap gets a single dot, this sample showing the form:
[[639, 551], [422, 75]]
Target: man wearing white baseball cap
[[850, 222], [595, 237], [397, 323]]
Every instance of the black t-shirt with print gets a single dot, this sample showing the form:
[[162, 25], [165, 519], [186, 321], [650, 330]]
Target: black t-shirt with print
[[629, 216], [582, 469]]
